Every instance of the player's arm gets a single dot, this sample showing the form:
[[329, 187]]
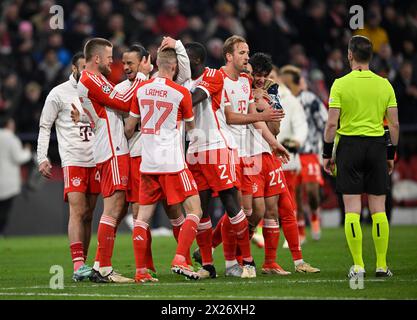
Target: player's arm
[[133, 119], [107, 95], [276, 147], [184, 69], [48, 116], [242, 119]]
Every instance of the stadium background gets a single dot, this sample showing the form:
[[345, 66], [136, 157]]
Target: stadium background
[[310, 34]]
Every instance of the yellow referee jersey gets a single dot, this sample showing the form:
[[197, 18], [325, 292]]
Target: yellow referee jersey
[[363, 98]]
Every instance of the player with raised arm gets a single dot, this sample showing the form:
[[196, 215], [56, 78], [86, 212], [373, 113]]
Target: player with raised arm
[[104, 106], [81, 179], [160, 105], [208, 154], [266, 91], [131, 61], [310, 177]]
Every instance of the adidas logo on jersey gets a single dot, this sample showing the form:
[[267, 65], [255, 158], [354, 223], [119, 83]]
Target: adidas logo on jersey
[[228, 181]]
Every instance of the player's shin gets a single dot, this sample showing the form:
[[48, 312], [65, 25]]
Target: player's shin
[[105, 236], [353, 234], [204, 240], [187, 235], [270, 232], [289, 225], [140, 244]]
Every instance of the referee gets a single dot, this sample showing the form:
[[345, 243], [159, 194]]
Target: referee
[[358, 104]]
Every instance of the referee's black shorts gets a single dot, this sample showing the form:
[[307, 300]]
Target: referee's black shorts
[[362, 165]]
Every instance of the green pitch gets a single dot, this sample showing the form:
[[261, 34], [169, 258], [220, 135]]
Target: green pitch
[[25, 271]]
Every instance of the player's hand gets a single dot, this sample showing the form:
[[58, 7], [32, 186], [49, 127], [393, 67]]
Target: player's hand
[[75, 114], [282, 153], [390, 166], [270, 114], [45, 169], [329, 166], [145, 65], [167, 42]]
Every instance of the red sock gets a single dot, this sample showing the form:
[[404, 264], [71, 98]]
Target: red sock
[[149, 258], [270, 231], [229, 239], [301, 225], [77, 254], [204, 240], [140, 244], [315, 215], [105, 236], [176, 227], [217, 233], [289, 225], [187, 235], [241, 229]]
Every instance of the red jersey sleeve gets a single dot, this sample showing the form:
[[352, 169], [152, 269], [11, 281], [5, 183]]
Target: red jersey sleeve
[[212, 82], [105, 94], [186, 106]]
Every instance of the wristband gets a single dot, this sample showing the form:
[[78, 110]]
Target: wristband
[[391, 149], [327, 149]]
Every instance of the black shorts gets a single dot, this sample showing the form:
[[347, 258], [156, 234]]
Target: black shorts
[[362, 165]]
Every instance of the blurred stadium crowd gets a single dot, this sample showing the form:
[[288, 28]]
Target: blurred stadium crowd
[[311, 34]]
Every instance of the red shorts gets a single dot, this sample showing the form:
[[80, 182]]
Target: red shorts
[[175, 188], [114, 174], [132, 194], [244, 179], [267, 178], [212, 169], [310, 169], [81, 179]]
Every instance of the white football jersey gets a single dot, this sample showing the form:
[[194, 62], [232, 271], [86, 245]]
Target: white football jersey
[[133, 142], [256, 144], [75, 141], [104, 106], [208, 115], [162, 104], [238, 93]]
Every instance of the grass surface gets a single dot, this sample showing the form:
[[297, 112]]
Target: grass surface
[[25, 264]]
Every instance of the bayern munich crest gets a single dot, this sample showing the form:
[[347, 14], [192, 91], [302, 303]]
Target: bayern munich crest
[[76, 181], [106, 88], [124, 180], [245, 88]]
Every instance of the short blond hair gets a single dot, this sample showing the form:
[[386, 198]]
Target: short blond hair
[[291, 70], [229, 45], [166, 58], [93, 45]]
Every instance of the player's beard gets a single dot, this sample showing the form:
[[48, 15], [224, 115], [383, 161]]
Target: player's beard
[[104, 70]]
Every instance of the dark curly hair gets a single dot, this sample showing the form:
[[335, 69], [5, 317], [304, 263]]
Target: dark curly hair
[[261, 63]]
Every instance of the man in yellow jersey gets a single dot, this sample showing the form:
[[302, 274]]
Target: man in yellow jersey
[[359, 102]]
